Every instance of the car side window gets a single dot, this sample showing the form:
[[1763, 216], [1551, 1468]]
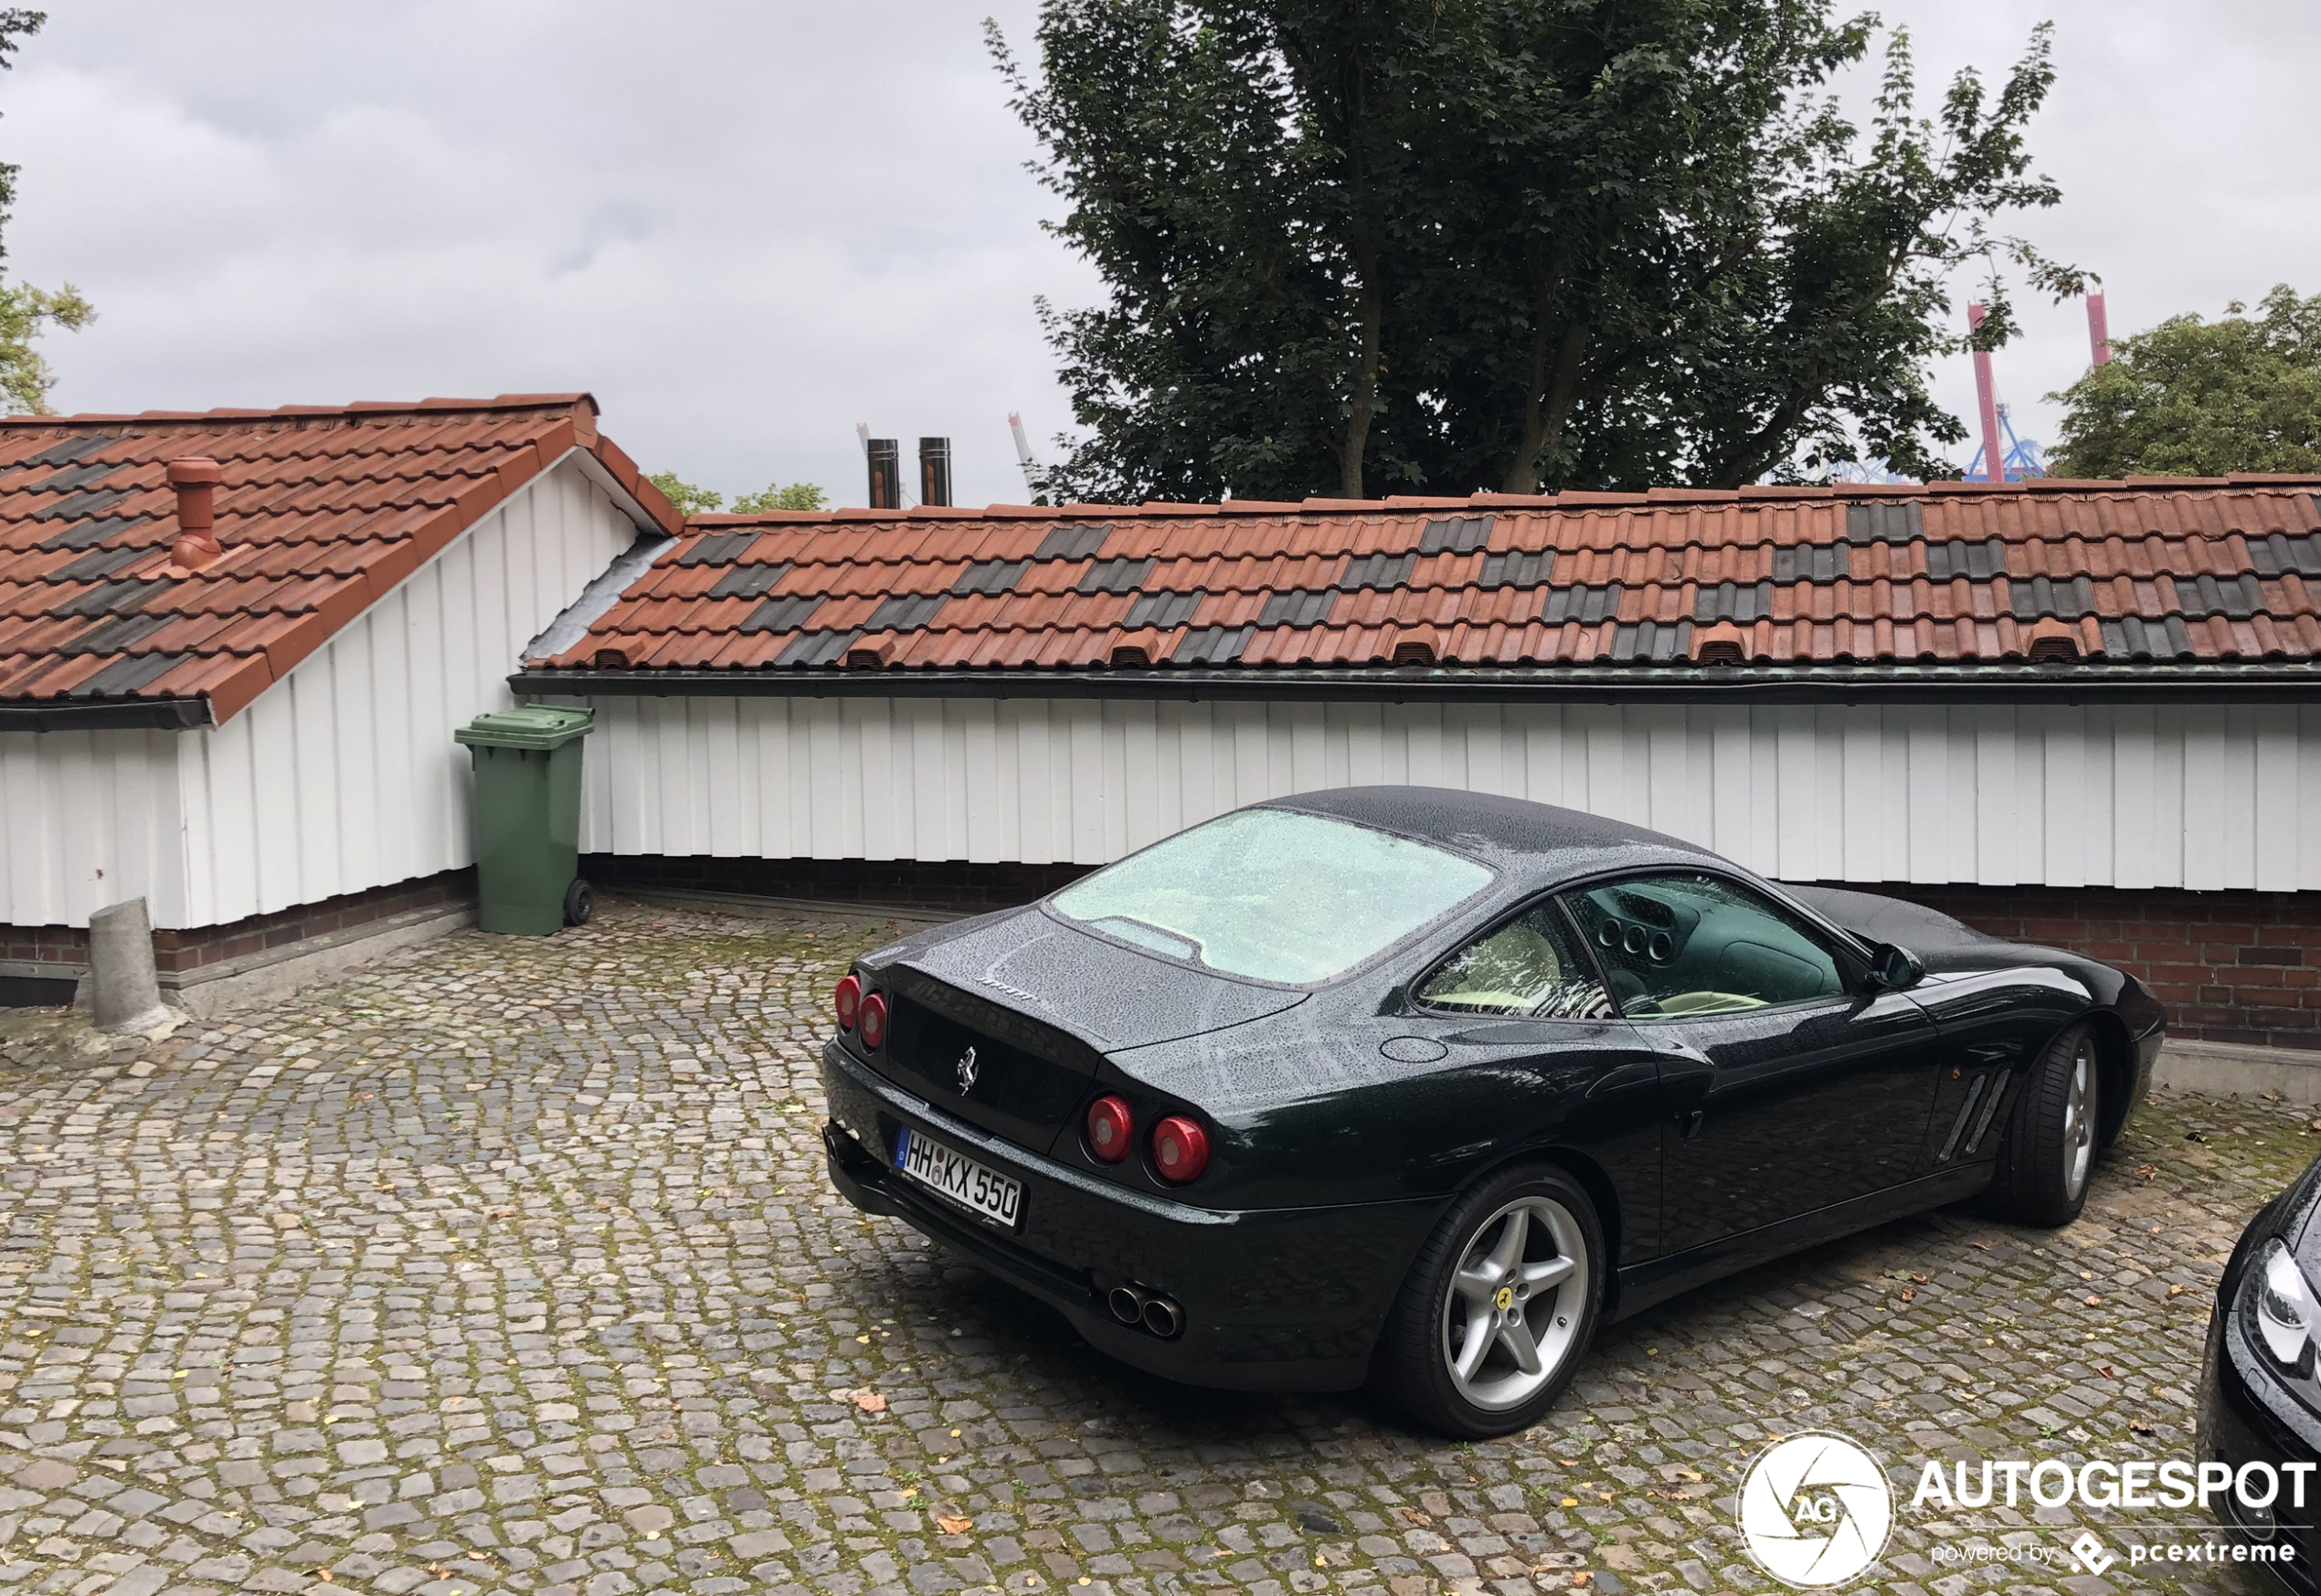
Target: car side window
[[1687, 942], [1527, 966]]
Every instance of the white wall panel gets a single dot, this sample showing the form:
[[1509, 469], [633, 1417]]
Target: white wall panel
[[2073, 796], [89, 819]]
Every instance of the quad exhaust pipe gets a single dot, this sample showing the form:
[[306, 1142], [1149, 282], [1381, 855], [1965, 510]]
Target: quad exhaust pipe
[[1155, 1312]]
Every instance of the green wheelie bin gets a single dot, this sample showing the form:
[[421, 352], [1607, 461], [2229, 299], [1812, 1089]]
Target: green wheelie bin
[[527, 818]]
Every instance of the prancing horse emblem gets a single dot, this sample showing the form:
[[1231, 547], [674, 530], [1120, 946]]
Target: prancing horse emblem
[[966, 1071]]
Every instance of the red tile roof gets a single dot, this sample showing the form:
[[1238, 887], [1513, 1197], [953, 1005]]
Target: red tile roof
[[320, 512], [1953, 574]]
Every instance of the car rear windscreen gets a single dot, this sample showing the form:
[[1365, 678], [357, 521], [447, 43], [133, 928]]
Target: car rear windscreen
[[1273, 895]]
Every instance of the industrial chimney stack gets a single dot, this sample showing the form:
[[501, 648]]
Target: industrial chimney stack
[[935, 470], [885, 473]]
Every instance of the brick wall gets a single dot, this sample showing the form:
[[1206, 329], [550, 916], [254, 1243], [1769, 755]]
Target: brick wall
[[68, 946], [946, 884], [2230, 966]]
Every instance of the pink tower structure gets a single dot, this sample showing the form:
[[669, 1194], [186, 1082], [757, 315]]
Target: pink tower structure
[[1987, 402]]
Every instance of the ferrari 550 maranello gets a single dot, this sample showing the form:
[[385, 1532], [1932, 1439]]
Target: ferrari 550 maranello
[[1418, 1088]]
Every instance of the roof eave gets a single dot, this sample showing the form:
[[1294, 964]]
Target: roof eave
[[2276, 683], [168, 714]]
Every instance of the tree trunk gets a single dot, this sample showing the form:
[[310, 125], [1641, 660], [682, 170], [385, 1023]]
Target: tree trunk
[[1363, 404], [1554, 392]]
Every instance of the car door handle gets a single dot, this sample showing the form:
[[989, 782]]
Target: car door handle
[[1688, 1123]]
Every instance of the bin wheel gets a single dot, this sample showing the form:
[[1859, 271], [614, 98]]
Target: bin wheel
[[579, 901]]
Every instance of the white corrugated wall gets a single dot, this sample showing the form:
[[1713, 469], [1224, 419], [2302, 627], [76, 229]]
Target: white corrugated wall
[[2128, 797], [89, 819], [340, 778]]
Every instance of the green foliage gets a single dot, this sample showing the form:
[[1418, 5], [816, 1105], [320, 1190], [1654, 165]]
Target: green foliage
[[692, 501], [1402, 244], [782, 496], [688, 499], [24, 313], [27, 312], [2202, 398]]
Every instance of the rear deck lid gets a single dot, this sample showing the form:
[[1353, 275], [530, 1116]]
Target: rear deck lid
[[1005, 1024]]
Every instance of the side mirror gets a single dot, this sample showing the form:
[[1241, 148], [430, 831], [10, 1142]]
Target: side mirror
[[1895, 970]]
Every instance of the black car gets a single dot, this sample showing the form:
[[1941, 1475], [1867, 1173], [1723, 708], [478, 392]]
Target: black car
[[1418, 1087], [2260, 1395]]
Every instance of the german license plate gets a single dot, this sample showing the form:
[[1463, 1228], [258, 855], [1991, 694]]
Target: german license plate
[[962, 1180]]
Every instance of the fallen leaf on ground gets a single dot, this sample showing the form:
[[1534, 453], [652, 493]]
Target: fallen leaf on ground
[[1415, 1517], [870, 1403], [950, 1525], [2107, 1371], [2178, 1290], [2093, 1302], [2147, 1172], [1910, 1294]]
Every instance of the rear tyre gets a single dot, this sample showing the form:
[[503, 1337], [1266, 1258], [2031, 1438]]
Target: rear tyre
[[579, 901], [2047, 1158], [1499, 1307]]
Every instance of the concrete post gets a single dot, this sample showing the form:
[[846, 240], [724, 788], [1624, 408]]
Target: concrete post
[[123, 990]]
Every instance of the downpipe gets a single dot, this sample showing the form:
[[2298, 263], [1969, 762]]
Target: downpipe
[[1141, 1307]]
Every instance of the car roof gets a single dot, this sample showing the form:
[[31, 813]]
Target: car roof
[[1531, 844]]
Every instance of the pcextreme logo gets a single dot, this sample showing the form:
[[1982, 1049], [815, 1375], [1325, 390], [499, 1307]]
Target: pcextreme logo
[[1815, 1510]]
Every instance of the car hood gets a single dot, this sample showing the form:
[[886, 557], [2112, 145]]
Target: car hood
[[1105, 994]]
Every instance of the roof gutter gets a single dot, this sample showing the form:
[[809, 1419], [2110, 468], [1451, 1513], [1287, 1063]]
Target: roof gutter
[[168, 714], [1821, 684]]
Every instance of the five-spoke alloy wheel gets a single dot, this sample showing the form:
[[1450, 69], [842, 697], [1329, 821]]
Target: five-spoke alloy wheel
[[1498, 1308], [2048, 1150]]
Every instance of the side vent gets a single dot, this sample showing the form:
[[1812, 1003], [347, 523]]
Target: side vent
[[1723, 652], [1974, 1092], [2053, 652], [1990, 1112], [1413, 653], [871, 658], [611, 660], [1129, 657]]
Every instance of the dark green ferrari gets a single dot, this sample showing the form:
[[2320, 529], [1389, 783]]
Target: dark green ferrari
[[1417, 1087]]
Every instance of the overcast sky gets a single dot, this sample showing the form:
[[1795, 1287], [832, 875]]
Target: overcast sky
[[747, 226]]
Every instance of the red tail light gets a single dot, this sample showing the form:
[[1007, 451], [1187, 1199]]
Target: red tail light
[[1180, 1148], [1112, 1129], [848, 1001], [873, 1023]]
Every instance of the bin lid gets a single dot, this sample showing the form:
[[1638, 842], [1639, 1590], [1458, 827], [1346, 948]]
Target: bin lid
[[528, 725]]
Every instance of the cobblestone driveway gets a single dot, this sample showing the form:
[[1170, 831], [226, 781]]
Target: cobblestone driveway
[[510, 1266]]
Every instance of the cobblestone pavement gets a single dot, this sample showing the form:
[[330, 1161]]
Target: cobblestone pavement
[[510, 1266]]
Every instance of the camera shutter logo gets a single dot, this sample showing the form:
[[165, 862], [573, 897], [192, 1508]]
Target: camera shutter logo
[[1815, 1510]]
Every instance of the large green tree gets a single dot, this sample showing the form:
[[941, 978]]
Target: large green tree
[[27, 312], [1353, 246], [2201, 398]]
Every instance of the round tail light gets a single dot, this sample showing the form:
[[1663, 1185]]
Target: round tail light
[[848, 1001], [1180, 1148], [873, 1023], [1112, 1128]]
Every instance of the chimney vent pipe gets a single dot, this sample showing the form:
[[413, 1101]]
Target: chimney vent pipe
[[885, 473], [195, 478], [935, 470]]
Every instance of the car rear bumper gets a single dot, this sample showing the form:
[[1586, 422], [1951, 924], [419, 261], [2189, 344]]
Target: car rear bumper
[[1274, 1299]]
